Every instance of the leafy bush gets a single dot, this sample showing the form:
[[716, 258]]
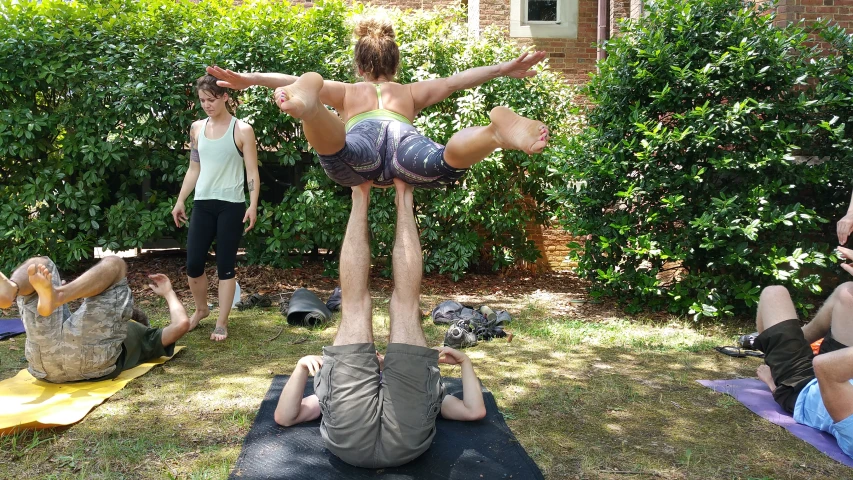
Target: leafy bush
[[713, 158], [97, 101]]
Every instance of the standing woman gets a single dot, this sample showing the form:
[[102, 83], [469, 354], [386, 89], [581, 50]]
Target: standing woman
[[220, 145]]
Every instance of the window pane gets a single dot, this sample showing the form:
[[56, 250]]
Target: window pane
[[542, 10]]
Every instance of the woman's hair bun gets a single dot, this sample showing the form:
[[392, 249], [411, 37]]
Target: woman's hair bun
[[374, 28]]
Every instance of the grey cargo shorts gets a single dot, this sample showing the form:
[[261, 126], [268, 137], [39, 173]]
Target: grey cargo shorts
[[376, 423], [81, 345]]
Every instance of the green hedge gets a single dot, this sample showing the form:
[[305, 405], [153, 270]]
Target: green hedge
[[716, 160], [96, 104]]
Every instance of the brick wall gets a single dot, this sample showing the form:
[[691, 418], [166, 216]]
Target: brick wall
[[810, 10], [553, 245], [574, 57], [636, 8], [619, 9]]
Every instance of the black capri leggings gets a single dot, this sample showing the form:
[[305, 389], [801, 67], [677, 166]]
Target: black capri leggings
[[214, 219]]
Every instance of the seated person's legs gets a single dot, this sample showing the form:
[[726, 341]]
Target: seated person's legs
[[834, 372], [49, 326], [787, 352], [840, 312], [43, 332], [819, 326]]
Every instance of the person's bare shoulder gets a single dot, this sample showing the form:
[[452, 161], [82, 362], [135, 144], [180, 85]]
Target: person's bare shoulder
[[243, 127], [245, 134], [194, 128]]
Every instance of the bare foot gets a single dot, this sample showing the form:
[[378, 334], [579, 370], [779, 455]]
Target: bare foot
[[8, 292], [765, 376], [302, 98], [515, 132], [42, 281], [199, 315], [219, 334]]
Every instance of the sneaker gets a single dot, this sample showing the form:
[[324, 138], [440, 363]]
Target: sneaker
[[747, 341], [460, 335]]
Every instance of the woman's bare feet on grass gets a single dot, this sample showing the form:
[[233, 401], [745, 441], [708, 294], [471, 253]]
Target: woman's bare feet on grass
[[42, 281], [219, 334], [515, 132], [765, 376], [300, 99], [8, 292], [198, 316]]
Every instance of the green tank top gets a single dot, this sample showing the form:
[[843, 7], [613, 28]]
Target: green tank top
[[221, 176], [378, 114]]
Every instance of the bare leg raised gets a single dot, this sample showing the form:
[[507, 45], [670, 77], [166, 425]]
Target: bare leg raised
[[508, 130], [323, 129], [356, 306], [774, 306], [8, 291], [103, 275], [408, 271]]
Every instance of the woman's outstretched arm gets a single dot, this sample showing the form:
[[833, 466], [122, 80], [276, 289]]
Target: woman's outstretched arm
[[430, 92], [332, 93]]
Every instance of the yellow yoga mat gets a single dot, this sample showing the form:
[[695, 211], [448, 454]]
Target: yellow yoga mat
[[28, 404]]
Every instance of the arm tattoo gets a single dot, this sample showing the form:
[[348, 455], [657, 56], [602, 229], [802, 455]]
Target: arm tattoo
[[252, 185], [194, 157]]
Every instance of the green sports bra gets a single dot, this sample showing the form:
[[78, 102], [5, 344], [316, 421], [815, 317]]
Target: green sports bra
[[378, 114]]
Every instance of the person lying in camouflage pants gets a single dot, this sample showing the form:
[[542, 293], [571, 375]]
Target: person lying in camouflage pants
[[97, 341], [367, 420]]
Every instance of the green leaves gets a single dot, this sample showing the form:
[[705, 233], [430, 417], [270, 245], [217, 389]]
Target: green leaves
[[716, 159], [95, 105]]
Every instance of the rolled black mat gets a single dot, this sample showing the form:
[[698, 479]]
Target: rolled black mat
[[306, 309], [485, 449]]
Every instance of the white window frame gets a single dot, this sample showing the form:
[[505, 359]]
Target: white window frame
[[525, 10], [566, 25]]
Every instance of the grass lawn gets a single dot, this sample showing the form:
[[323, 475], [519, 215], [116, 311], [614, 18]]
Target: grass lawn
[[605, 397]]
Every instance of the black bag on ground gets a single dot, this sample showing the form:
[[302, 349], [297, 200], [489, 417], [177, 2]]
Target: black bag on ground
[[306, 309], [468, 325]]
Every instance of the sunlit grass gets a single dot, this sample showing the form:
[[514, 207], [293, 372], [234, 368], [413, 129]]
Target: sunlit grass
[[611, 398]]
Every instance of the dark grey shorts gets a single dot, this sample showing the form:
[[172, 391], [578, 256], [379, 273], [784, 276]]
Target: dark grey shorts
[[375, 423], [382, 150]]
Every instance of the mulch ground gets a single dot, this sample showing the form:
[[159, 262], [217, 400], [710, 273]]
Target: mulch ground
[[274, 281]]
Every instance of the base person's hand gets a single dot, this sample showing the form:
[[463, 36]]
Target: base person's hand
[[312, 363]]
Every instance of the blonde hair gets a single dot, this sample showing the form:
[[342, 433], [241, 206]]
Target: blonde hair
[[376, 52]]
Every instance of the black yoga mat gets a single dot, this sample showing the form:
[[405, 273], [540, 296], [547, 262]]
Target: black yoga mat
[[306, 309], [485, 449]]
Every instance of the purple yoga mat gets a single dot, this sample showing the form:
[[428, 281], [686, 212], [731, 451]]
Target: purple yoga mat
[[9, 327], [755, 395]]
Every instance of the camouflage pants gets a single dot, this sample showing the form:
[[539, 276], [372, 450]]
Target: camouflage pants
[[85, 344]]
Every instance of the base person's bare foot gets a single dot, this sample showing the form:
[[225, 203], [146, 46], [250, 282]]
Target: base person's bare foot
[[515, 132], [219, 334], [765, 376], [199, 315], [8, 291], [302, 98], [42, 281]]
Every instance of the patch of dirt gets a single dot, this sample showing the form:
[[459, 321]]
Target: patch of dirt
[[565, 291]]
